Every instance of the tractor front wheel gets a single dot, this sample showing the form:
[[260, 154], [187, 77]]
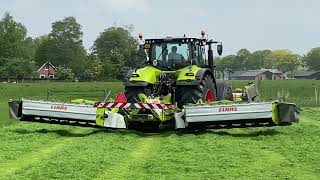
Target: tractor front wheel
[[205, 92]]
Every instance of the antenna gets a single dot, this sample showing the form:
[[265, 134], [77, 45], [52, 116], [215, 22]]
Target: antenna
[[207, 33]]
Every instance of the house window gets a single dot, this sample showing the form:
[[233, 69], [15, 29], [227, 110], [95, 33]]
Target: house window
[[46, 68], [42, 76], [51, 76]]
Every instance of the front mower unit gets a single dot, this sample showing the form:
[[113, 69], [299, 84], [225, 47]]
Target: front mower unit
[[120, 114]]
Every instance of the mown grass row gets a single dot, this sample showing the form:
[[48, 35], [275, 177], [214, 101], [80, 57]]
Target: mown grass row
[[32, 151]]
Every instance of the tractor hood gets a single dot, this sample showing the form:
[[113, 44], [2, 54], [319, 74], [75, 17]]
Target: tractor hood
[[150, 74]]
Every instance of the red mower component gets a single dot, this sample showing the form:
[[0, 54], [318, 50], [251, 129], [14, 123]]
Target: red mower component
[[121, 98], [209, 96]]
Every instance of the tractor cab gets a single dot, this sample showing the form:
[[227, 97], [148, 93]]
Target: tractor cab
[[176, 53]]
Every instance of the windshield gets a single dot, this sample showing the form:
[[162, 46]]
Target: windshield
[[171, 55]]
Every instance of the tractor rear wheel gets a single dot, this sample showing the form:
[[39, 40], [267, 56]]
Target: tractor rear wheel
[[205, 91], [224, 91]]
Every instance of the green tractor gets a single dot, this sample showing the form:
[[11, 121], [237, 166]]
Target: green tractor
[[178, 72], [176, 87], [179, 68]]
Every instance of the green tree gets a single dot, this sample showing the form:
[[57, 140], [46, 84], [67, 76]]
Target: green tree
[[312, 59], [96, 68], [285, 60], [12, 37], [230, 64], [242, 59], [141, 57], [64, 73], [116, 48], [258, 60], [220, 68], [29, 48], [63, 46], [18, 68], [16, 49], [42, 52]]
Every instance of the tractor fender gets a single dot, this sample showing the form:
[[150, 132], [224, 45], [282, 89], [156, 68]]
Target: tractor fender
[[128, 83], [207, 72], [129, 73], [203, 72], [199, 76]]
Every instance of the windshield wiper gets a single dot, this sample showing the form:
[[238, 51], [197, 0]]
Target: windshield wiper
[[161, 53]]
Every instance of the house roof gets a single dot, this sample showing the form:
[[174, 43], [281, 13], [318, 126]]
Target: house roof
[[253, 73], [237, 73], [249, 73], [274, 71], [45, 65], [303, 73]]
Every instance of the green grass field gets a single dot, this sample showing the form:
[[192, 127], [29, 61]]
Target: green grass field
[[40, 151], [301, 92]]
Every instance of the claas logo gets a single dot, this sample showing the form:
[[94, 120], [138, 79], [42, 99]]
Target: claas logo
[[228, 109], [59, 107]]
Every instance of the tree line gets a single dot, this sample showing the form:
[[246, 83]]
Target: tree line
[[283, 60], [113, 52]]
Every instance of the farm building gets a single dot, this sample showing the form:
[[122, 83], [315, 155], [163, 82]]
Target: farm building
[[262, 74], [47, 71], [304, 74]]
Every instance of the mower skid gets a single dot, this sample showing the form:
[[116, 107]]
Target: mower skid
[[105, 118], [15, 109]]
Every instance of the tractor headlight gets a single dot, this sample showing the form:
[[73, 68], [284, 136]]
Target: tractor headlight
[[189, 74]]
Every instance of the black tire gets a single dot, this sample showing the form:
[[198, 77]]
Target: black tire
[[192, 94], [131, 94], [224, 91]]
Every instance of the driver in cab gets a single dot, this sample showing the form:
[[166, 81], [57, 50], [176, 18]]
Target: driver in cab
[[174, 57]]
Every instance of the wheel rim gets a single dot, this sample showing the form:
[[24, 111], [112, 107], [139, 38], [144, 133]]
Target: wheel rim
[[209, 96]]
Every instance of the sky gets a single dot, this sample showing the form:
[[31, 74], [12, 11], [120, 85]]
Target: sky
[[251, 24]]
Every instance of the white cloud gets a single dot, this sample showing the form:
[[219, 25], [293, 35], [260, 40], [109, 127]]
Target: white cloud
[[127, 5]]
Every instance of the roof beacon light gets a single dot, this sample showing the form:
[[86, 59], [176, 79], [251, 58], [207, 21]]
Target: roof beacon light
[[140, 36], [203, 33]]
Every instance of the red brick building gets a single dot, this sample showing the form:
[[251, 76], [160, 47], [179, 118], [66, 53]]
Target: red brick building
[[47, 71]]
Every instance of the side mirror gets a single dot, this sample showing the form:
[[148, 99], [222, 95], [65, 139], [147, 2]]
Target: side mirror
[[219, 49]]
